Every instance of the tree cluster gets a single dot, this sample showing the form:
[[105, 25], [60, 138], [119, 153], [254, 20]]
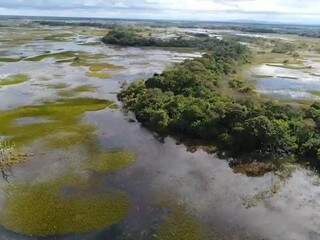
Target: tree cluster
[[191, 99]]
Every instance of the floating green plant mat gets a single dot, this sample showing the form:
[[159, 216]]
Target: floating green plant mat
[[44, 210], [64, 127], [14, 79]]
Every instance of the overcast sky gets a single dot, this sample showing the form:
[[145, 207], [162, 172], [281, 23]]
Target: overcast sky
[[295, 11]]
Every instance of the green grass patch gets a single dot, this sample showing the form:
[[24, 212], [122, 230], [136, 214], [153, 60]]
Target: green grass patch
[[60, 37], [41, 210], [10, 59], [64, 126], [101, 75], [57, 56], [112, 161], [14, 79], [58, 86]]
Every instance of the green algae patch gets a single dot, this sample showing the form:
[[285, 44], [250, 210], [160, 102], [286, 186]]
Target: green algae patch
[[180, 225], [14, 80], [64, 119], [112, 161], [43, 210]]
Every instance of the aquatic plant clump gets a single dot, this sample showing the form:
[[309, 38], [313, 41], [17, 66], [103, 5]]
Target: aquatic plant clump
[[111, 161], [43, 210], [14, 79]]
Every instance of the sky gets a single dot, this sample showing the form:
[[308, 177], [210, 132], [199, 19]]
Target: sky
[[286, 11]]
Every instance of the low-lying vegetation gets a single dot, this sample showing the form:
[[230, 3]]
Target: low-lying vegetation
[[14, 80]]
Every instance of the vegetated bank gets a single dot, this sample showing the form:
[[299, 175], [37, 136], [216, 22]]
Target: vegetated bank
[[125, 36], [202, 99]]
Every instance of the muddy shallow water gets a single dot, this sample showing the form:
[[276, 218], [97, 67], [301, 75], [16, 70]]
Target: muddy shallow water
[[163, 177]]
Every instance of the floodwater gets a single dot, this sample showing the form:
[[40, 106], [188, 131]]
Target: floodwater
[[298, 82], [164, 176]]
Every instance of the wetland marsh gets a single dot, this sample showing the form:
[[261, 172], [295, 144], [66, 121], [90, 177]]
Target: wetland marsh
[[88, 170]]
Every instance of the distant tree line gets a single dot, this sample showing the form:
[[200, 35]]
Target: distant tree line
[[123, 36]]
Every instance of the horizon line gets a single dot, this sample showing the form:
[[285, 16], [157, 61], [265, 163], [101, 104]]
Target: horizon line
[[239, 21]]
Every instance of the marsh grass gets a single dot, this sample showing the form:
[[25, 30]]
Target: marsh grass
[[57, 56], [111, 161], [64, 120], [58, 86], [14, 80], [10, 59], [76, 90], [44, 210], [59, 37], [93, 62]]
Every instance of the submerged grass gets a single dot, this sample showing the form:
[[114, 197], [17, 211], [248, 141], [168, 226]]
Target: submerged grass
[[14, 80], [111, 161], [44, 210], [57, 56], [64, 116], [180, 225], [74, 91]]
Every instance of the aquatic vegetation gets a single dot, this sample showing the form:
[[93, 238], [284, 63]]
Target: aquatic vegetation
[[60, 37], [64, 116], [111, 161], [57, 56], [14, 79], [101, 75], [180, 225], [9, 157], [76, 90], [44, 210], [58, 86], [10, 59], [95, 69]]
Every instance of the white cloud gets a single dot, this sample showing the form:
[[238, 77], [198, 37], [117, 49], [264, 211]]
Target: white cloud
[[278, 10]]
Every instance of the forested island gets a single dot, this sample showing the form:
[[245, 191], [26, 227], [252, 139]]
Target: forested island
[[203, 99], [124, 36]]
